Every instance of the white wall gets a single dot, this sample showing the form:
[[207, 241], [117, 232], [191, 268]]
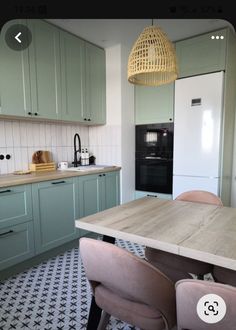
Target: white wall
[[128, 130], [105, 141], [21, 139], [113, 144]]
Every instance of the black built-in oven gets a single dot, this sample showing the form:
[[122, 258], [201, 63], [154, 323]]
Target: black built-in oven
[[154, 158]]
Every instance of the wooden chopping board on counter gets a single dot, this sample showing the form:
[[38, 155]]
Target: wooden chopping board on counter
[[42, 161]]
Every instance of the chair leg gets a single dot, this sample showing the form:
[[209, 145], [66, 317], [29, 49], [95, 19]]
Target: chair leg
[[94, 315], [103, 321]]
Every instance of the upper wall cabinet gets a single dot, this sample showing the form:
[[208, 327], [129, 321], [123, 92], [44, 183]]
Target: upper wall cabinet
[[58, 77], [44, 62], [202, 54], [94, 111], [154, 104], [14, 77], [73, 76]]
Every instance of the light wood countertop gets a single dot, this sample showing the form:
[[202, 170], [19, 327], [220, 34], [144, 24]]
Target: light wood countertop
[[200, 231], [8, 180]]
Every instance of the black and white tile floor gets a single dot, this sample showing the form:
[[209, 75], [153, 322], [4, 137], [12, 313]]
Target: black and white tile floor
[[54, 295]]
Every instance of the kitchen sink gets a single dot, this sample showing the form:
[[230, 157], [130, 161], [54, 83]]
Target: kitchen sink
[[86, 168]]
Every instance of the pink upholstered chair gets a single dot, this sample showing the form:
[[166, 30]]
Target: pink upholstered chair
[[128, 287], [188, 293], [224, 275], [177, 267]]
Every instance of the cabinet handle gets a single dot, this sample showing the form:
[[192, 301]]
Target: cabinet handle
[[7, 232], [104, 174], [5, 191], [29, 113], [36, 114], [59, 182], [85, 119], [89, 119], [170, 119], [152, 195], [100, 175]]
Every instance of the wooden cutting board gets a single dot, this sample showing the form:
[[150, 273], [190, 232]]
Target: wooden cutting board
[[41, 156]]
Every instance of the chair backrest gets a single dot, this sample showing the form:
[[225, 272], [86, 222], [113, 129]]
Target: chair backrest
[[188, 293], [128, 276], [200, 196]]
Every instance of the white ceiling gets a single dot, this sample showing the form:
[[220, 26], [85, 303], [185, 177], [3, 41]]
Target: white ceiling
[[109, 32]]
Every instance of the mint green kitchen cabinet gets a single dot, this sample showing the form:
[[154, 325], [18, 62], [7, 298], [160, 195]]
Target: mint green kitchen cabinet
[[15, 205], [14, 77], [94, 111], [202, 54], [54, 205], [154, 104], [141, 194], [44, 62], [89, 195], [112, 190], [16, 244], [98, 192], [73, 76]]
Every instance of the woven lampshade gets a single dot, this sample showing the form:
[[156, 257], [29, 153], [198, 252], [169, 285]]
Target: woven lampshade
[[152, 60]]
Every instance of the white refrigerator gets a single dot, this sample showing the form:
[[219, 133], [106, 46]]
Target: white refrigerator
[[197, 131]]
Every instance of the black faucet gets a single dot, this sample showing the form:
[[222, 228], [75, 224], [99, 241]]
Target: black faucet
[[76, 161]]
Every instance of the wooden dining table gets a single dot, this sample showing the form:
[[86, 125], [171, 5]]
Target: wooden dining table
[[196, 230]]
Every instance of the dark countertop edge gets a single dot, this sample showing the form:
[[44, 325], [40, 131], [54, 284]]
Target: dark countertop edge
[[10, 180]]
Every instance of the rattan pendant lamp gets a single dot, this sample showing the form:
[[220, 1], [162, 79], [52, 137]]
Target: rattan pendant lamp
[[152, 60]]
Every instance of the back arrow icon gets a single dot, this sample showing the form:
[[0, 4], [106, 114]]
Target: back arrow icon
[[17, 37]]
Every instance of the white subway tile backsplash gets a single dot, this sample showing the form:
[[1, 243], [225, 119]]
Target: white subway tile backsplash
[[23, 134], [22, 138], [2, 134], [16, 134], [48, 135], [9, 134]]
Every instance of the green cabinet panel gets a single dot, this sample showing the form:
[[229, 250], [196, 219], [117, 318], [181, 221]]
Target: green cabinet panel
[[112, 189], [202, 54], [89, 195], [15, 205], [72, 74], [54, 206], [94, 111], [98, 192], [141, 194], [14, 77], [16, 244], [44, 61], [154, 104]]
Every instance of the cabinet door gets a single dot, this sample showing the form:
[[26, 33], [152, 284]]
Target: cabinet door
[[202, 54], [154, 104], [14, 77], [72, 70], [15, 205], [89, 195], [54, 213], [95, 105], [45, 78], [16, 244], [112, 190]]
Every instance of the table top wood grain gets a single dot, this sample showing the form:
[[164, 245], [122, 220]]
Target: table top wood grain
[[199, 231]]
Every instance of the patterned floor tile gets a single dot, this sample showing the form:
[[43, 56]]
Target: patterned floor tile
[[53, 295]]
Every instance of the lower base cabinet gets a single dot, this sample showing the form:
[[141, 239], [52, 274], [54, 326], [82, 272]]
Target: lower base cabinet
[[54, 213], [140, 194], [38, 217], [16, 244], [98, 192]]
